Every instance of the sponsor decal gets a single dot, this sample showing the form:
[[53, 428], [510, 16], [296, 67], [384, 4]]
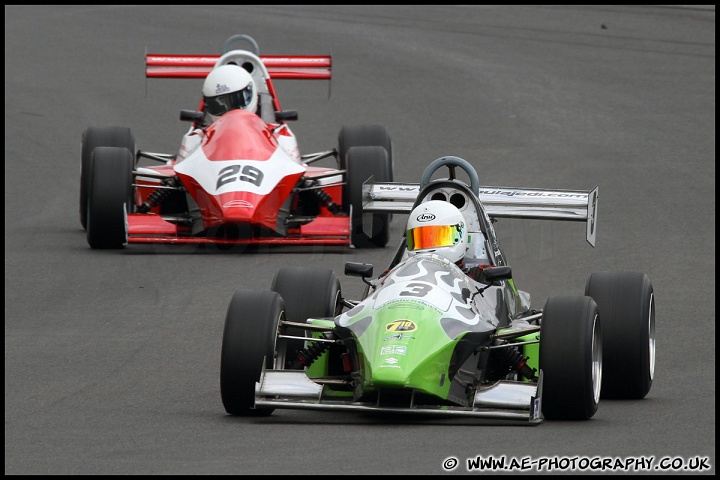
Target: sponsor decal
[[391, 361], [391, 188], [394, 350], [535, 408], [221, 89], [593, 209], [238, 204], [425, 217], [399, 336], [401, 326], [516, 193]]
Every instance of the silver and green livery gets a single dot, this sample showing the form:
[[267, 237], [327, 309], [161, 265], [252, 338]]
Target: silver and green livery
[[426, 339]]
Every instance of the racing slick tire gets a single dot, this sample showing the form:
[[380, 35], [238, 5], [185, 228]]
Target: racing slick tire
[[92, 138], [363, 136], [249, 341], [570, 358], [363, 163], [109, 197], [308, 293], [626, 303]]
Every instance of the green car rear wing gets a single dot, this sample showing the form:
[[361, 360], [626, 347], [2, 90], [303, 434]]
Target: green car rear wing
[[499, 202]]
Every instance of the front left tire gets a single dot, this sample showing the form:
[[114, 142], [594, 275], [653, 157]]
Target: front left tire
[[249, 344], [110, 197], [92, 138]]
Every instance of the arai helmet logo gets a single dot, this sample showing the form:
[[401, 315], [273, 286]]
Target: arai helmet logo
[[425, 217]]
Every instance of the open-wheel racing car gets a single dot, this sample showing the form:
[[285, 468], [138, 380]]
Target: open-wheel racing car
[[238, 178], [428, 338]]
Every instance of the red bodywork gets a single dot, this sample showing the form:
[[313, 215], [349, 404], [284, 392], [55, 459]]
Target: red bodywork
[[215, 176]]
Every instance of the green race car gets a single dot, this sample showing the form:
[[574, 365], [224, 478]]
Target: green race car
[[428, 339]]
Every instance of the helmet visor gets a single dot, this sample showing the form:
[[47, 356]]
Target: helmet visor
[[433, 236], [229, 101]]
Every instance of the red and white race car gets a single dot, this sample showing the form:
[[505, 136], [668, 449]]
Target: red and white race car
[[239, 180]]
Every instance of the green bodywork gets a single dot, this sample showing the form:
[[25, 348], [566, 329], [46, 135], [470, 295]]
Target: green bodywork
[[406, 347], [531, 351], [396, 351], [418, 332]]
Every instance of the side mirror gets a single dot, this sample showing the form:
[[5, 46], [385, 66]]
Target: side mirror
[[497, 273], [286, 115], [190, 116], [364, 270]]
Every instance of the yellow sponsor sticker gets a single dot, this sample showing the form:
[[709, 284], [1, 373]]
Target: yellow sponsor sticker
[[401, 326]]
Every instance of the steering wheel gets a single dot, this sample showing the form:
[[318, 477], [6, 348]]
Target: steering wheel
[[451, 163]]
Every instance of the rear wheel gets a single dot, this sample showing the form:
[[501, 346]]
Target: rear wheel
[[92, 138], [308, 293], [109, 197], [366, 230], [571, 358], [364, 136], [249, 343], [626, 303]]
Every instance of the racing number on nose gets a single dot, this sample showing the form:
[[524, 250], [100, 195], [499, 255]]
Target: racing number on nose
[[242, 173], [415, 290]]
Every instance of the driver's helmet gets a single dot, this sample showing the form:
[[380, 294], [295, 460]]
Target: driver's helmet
[[437, 226], [228, 87]]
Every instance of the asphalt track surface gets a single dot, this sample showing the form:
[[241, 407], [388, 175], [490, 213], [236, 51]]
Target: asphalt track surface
[[112, 357]]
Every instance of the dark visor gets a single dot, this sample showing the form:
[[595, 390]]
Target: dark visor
[[229, 101]]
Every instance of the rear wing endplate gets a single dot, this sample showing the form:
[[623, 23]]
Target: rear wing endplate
[[499, 202], [293, 67]]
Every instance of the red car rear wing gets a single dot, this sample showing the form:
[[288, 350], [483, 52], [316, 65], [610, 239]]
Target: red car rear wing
[[294, 67]]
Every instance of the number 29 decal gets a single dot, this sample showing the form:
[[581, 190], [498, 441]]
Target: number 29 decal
[[239, 173]]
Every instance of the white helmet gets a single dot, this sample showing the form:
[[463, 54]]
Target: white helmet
[[438, 227], [229, 87]]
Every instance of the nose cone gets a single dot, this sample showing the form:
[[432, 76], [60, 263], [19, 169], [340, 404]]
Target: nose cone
[[405, 347], [239, 210], [252, 208]]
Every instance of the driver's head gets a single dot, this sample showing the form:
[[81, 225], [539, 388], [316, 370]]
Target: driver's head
[[437, 226], [228, 87]]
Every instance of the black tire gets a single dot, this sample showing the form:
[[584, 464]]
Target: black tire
[[308, 293], [626, 303], [249, 341], [92, 138], [571, 358], [364, 136], [363, 163], [109, 197]]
